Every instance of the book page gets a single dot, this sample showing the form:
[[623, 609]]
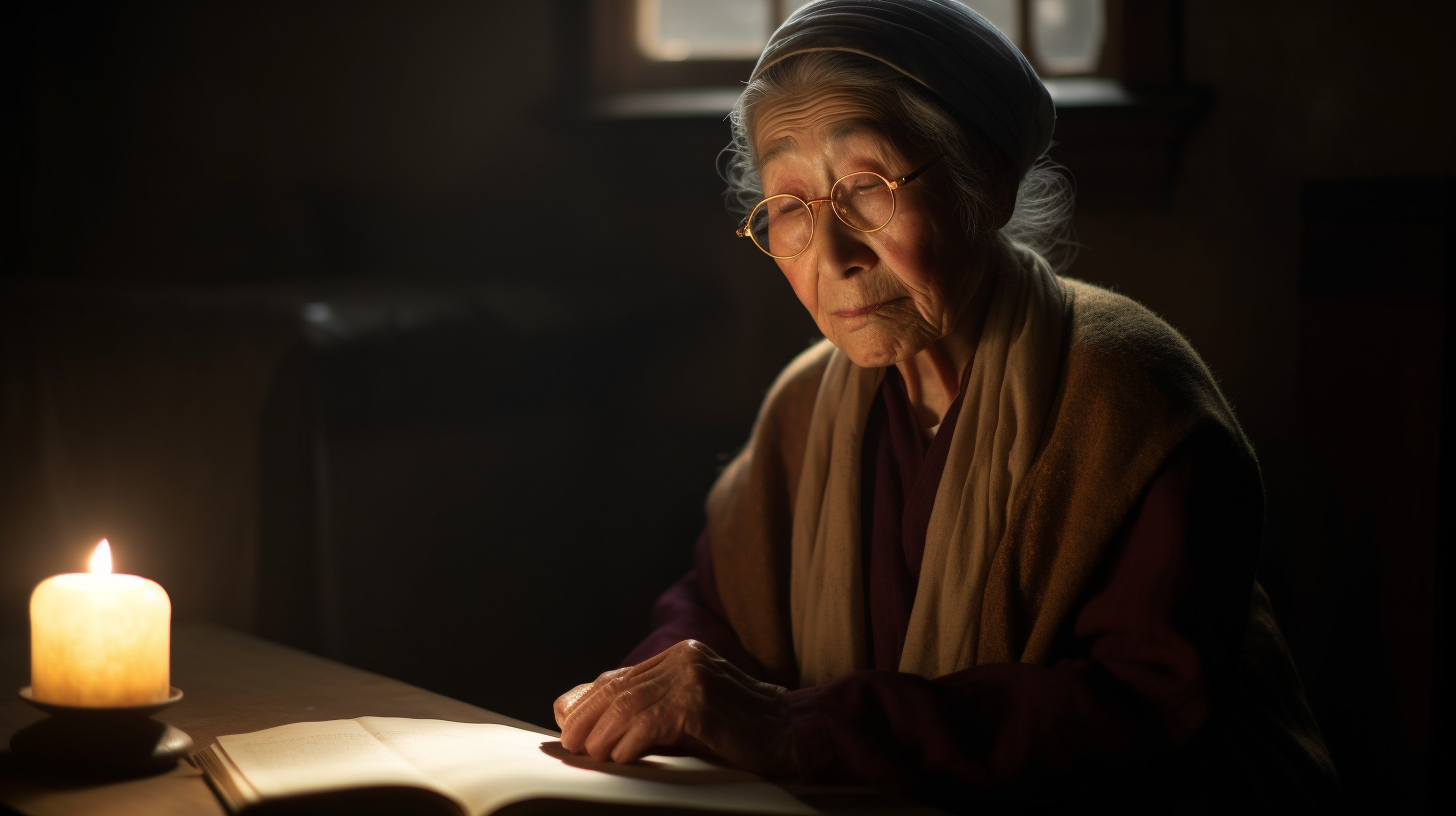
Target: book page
[[490, 766], [311, 757]]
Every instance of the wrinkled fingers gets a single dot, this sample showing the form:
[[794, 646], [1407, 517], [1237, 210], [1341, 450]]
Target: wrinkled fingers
[[634, 706], [584, 704], [636, 700], [643, 733], [566, 702]]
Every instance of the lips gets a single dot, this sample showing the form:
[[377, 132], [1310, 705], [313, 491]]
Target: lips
[[861, 311]]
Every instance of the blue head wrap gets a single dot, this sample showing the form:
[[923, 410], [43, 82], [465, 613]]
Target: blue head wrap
[[943, 45]]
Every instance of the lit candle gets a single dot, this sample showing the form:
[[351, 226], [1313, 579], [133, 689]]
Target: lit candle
[[99, 640]]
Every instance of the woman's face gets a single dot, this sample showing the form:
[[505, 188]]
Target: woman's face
[[880, 296]]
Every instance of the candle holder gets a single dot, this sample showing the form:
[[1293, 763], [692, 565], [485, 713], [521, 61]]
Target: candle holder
[[122, 740]]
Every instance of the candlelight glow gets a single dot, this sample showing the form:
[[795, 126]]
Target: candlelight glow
[[99, 639], [101, 559]]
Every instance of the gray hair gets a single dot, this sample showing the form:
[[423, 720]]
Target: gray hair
[[1041, 221]]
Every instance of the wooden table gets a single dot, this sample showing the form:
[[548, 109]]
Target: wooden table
[[235, 683]]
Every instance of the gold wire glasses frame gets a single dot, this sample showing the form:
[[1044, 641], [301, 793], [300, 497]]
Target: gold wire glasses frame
[[863, 201]]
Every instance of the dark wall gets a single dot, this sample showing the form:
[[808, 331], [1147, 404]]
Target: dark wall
[[476, 357], [1304, 254], [348, 328]]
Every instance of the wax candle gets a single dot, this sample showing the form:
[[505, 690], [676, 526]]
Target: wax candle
[[99, 640]]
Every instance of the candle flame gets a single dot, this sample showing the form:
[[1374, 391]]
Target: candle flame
[[101, 559]]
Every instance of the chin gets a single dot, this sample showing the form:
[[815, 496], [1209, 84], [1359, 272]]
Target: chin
[[879, 343], [874, 354]]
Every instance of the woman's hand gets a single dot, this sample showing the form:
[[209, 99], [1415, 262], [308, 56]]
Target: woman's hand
[[685, 697]]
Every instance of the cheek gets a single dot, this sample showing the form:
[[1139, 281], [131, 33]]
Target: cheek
[[911, 260], [802, 280], [924, 261]]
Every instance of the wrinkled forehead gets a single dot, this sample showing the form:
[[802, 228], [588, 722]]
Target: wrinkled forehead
[[798, 123]]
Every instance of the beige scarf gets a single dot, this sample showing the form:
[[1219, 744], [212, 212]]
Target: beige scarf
[[1008, 395]]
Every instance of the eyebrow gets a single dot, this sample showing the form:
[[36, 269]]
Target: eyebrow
[[785, 145]]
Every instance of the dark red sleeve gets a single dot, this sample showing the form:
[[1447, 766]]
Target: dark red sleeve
[[691, 610], [1135, 691]]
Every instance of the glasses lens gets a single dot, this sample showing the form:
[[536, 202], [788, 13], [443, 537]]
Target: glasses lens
[[781, 226], [863, 201]]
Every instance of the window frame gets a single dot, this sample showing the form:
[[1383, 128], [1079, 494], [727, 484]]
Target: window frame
[[1121, 134], [617, 65]]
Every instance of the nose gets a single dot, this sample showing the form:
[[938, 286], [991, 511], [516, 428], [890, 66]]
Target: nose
[[842, 251]]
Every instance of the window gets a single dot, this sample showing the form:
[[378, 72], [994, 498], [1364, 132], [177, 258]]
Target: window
[[1113, 67], [1060, 37]]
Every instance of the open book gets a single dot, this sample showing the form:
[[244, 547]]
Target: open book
[[393, 765]]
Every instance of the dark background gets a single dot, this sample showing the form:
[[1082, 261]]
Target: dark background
[[348, 324]]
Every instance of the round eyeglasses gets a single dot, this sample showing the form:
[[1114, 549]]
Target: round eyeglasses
[[783, 225]]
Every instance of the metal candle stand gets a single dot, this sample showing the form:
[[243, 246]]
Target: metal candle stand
[[111, 740]]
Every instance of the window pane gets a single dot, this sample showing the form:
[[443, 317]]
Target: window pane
[[703, 29], [1004, 14], [1067, 35]]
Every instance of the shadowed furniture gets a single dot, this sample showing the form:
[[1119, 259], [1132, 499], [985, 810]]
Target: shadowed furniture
[[235, 683]]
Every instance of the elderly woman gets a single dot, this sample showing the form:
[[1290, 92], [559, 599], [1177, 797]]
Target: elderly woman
[[995, 536]]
